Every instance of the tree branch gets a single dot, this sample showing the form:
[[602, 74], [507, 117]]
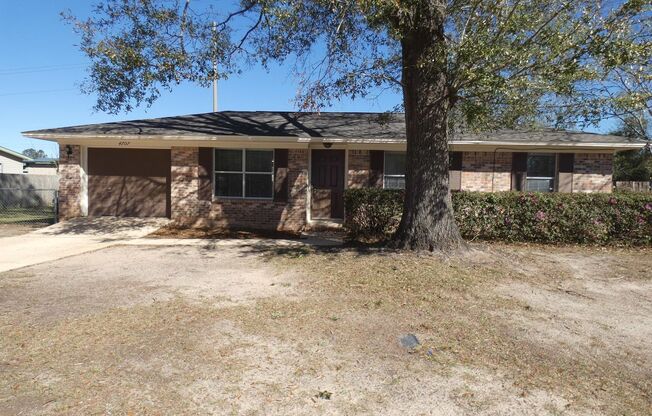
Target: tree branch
[[182, 26]]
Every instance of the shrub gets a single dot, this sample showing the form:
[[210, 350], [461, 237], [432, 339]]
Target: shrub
[[372, 214], [606, 219]]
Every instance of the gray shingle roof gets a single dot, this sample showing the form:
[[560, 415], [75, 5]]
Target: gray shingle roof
[[255, 123], [14, 154], [334, 125]]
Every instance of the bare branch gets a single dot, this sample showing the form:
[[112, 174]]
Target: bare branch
[[182, 26]]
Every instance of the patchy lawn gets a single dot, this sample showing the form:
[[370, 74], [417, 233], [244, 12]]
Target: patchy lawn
[[274, 329], [174, 231], [45, 216], [9, 230]]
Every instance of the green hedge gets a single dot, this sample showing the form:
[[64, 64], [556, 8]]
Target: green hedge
[[607, 219]]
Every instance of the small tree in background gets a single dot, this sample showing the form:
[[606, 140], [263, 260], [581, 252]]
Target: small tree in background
[[34, 154], [492, 63], [633, 165]]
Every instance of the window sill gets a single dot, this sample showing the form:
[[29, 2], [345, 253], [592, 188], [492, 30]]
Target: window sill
[[238, 198]]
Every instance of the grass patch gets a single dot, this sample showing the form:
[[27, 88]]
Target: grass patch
[[331, 344], [25, 215], [460, 319], [176, 231]]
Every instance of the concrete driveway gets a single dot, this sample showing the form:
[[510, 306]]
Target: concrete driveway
[[72, 237]]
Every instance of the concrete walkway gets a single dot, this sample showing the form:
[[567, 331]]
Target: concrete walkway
[[82, 235], [72, 237]]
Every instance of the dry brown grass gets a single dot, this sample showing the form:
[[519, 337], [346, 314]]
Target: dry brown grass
[[175, 231], [485, 349], [451, 303]]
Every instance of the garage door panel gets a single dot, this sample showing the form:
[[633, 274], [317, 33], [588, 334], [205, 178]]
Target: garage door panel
[[127, 196], [128, 162], [129, 182]]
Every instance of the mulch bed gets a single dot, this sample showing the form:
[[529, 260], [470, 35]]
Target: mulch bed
[[220, 233]]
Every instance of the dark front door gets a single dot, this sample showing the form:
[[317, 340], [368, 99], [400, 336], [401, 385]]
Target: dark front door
[[129, 182], [327, 180]]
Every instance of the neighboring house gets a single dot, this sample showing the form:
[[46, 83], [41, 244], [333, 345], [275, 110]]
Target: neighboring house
[[288, 170], [11, 162], [43, 166]]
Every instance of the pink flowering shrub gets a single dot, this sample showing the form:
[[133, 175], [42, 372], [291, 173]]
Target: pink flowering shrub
[[604, 219]]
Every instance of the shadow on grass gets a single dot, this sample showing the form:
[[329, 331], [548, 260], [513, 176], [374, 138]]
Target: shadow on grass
[[174, 231], [304, 248]]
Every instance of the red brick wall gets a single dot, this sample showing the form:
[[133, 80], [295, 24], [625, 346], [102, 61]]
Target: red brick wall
[[70, 182], [593, 172], [184, 187], [486, 171], [359, 164], [187, 208]]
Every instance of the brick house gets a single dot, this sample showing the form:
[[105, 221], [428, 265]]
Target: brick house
[[289, 170]]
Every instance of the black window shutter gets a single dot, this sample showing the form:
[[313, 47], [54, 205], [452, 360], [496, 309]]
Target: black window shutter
[[205, 173], [566, 162], [376, 168], [519, 170], [455, 159], [519, 162], [281, 175]]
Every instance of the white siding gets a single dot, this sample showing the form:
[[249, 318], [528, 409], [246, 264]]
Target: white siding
[[41, 170], [10, 165]]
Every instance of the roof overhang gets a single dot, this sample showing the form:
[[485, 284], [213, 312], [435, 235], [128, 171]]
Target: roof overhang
[[167, 141], [15, 155]]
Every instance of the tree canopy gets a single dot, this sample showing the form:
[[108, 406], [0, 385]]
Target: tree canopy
[[507, 62], [633, 165], [35, 154]]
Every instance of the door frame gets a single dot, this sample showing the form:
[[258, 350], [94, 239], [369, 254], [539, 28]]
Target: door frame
[[309, 217]]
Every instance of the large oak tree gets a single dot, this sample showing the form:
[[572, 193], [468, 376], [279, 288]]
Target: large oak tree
[[485, 63]]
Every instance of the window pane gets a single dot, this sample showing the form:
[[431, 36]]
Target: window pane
[[229, 160], [394, 163], [539, 185], [259, 160], [394, 182], [258, 186], [228, 184], [542, 166]]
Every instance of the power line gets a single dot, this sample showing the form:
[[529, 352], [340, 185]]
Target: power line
[[28, 70], [37, 92], [25, 68]]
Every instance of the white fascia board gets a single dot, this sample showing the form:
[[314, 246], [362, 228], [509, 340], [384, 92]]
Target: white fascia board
[[506, 145], [353, 143]]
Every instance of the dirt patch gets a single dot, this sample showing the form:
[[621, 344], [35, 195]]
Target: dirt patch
[[9, 230], [474, 311], [270, 329], [125, 276], [172, 231], [602, 297]]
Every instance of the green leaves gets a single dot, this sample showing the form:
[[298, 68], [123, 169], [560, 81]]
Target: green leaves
[[619, 219], [508, 63]]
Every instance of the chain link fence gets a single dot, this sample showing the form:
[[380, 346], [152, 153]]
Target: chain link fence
[[637, 186], [26, 206]]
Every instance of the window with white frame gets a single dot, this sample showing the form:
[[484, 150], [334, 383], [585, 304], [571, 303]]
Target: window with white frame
[[244, 173], [541, 169], [394, 170]]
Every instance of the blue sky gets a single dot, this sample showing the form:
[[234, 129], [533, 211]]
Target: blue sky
[[41, 69]]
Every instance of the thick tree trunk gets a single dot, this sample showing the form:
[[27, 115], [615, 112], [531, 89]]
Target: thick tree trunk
[[427, 222]]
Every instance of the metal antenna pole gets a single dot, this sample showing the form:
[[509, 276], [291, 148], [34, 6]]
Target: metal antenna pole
[[214, 71]]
